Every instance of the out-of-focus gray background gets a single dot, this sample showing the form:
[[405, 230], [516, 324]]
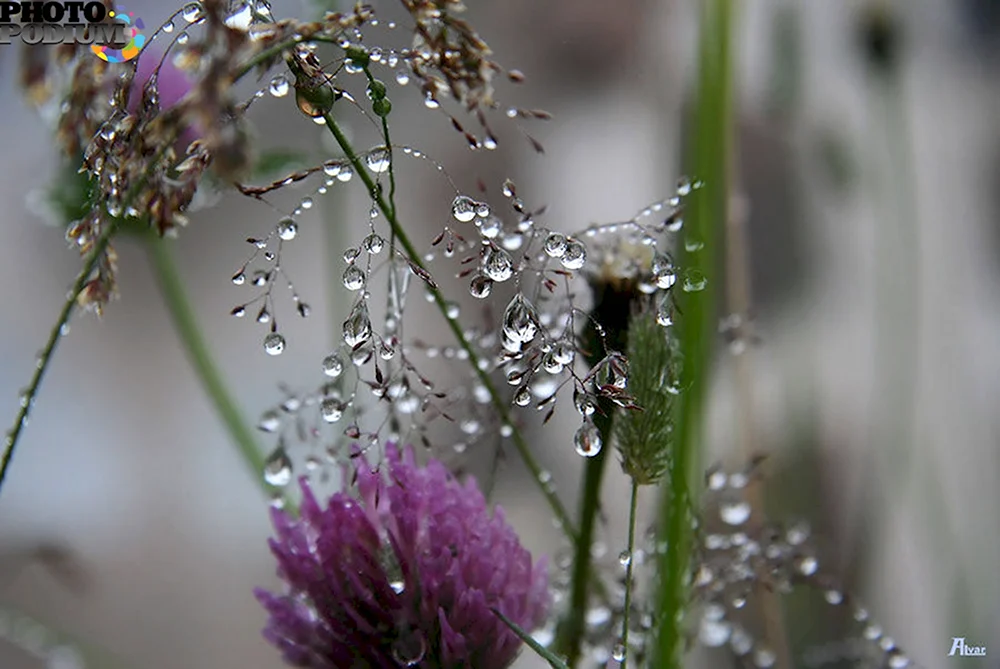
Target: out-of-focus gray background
[[855, 195]]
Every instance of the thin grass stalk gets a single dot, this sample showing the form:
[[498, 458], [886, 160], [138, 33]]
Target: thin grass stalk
[[706, 213]]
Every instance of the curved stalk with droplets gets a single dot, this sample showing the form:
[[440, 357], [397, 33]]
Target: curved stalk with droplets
[[414, 258]]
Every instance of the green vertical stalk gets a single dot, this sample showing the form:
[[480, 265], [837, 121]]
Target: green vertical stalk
[[182, 315], [630, 553], [706, 213]]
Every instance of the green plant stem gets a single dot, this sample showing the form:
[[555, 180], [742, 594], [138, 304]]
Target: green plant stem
[[630, 551], [183, 318], [571, 629], [554, 661], [499, 404], [28, 397], [706, 214]]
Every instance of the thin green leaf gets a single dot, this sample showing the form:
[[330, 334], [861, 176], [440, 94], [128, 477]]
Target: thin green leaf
[[546, 654]]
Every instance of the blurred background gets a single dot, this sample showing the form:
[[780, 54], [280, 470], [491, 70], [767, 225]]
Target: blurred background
[[867, 190]]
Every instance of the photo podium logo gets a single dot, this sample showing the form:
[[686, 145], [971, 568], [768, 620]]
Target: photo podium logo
[[113, 35]]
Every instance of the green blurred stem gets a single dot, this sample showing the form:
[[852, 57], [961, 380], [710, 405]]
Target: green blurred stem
[[28, 397], [707, 213], [413, 257], [182, 315], [571, 629], [630, 552]]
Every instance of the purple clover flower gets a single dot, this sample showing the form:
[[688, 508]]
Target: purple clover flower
[[403, 575]]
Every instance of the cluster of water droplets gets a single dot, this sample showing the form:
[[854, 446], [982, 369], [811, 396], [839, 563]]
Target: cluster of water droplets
[[38, 641], [737, 558]]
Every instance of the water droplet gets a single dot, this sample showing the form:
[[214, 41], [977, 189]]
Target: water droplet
[[833, 597], [625, 558], [274, 344], [490, 227], [354, 278], [279, 86], [331, 410], [358, 326], [550, 364], [664, 318], [333, 366], [714, 633], [563, 353], [480, 286], [402, 78], [694, 281], [331, 168], [397, 585], [597, 616], [497, 264], [287, 229], [452, 310], [167, 27], [575, 255], [239, 278], [897, 660], [683, 186], [522, 397], [584, 403], [665, 278], [373, 244], [278, 467], [306, 203], [520, 321], [191, 12], [807, 565], [409, 648], [735, 513], [378, 160], [345, 174], [763, 658], [239, 311], [587, 439], [270, 421], [463, 208], [555, 245], [797, 534]]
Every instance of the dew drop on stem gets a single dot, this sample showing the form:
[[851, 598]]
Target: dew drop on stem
[[520, 320], [354, 278], [575, 255], [358, 326], [274, 344], [287, 229], [278, 467], [480, 286], [270, 421], [587, 439], [279, 86], [555, 245], [463, 208]]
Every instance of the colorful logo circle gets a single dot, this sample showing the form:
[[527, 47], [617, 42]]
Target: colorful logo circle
[[136, 40]]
